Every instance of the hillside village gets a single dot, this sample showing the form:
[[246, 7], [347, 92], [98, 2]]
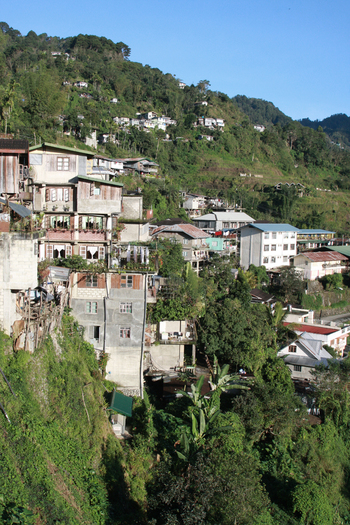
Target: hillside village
[[60, 203], [174, 297]]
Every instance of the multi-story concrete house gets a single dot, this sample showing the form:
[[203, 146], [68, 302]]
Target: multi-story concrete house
[[112, 309], [313, 238], [193, 240], [269, 245], [79, 208]]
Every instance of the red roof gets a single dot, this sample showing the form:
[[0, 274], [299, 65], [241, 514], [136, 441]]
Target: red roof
[[313, 329], [324, 256]]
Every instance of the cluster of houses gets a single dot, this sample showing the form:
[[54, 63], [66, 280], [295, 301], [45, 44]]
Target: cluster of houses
[[59, 201]]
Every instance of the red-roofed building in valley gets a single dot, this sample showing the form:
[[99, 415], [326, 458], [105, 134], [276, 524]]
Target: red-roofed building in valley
[[193, 240], [314, 265], [329, 335]]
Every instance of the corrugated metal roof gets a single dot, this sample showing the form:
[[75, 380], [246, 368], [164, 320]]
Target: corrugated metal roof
[[314, 232], [312, 328], [101, 181], [345, 250], [59, 273], [271, 227], [303, 361], [322, 256], [188, 229], [121, 404], [61, 148], [22, 211]]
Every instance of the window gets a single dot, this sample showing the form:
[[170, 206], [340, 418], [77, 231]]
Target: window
[[214, 244], [126, 281], [184, 254], [292, 348], [292, 246], [62, 164], [125, 308], [185, 241], [274, 235], [124, 333], [69, 250], [97, 189], [265, 260], [91, 307], [285, 247], [297, 368], [266, 235], [273, 259], [266, 247], [96, 333], [273, 247], [91, 281]]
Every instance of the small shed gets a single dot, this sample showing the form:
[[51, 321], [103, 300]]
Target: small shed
[[123, 406]]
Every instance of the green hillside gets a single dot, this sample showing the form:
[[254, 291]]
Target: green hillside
[[38, 101]]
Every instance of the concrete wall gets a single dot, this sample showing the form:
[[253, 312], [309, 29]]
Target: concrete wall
[[167, 357], [250, 248], [18, 271], [135, 232], [124, 353], [132, 207]]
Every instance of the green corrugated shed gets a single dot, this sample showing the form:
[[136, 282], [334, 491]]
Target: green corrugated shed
[[345, 250], [121, 404]]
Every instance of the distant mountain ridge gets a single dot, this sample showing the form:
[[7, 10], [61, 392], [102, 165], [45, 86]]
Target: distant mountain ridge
[[260, 111], [336, 126]]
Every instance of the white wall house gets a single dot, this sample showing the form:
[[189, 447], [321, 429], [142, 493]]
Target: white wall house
[[270, 245], [314, 265], [303, 354], [219, 220]]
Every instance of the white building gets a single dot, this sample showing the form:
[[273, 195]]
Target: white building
[[270, 245], [219, 220], [303, 354], [314, 265]]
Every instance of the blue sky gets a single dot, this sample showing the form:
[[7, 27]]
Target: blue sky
[[294, 53]]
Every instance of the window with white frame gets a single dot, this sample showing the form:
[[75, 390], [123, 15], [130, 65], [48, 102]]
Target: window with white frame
[[91, 307], [273, 259], [62, 163], [266, 235], [285, 247], [125, 333], [185, 241], [266, 247], [273, 247], [126, 281], [184, 254], [297, 368], [292, 349], [292, 246], [274, 235], [265, 260], [125, 308]]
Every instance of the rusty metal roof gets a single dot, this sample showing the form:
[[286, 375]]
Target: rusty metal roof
[[324, 256], [187, 229]]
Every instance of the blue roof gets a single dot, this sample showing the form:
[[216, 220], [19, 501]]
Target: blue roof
[[314, 232], [272, 227]]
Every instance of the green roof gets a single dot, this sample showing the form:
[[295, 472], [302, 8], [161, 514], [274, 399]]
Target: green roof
[[101, 181], [63, 148], [345, 250], [121, 404]]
